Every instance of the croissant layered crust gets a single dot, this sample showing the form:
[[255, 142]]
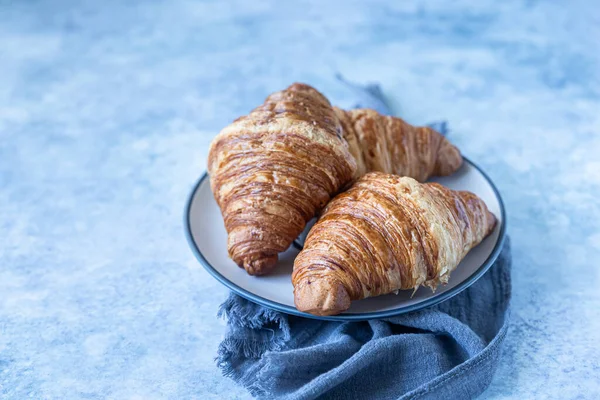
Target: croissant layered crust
[[391, 145], [272, 170], [384, 234], [276, 168]]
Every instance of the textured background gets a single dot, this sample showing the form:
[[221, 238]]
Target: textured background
[[106, 112]]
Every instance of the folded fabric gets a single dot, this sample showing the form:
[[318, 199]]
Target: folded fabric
[[446, 351]]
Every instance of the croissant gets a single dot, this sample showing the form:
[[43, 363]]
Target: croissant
[[274, 169], [384, 234], [391, 145]]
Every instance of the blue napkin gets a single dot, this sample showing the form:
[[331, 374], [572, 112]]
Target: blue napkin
[[446, 351]]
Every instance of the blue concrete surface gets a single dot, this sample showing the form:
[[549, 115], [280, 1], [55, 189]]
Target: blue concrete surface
[[106, 112]]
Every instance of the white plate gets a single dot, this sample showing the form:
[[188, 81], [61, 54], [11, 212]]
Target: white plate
[[208, 239]]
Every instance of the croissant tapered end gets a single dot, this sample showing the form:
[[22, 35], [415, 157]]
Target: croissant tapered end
[[484, 220], [259, 264], [448, 159], [491, 222], [321, 297]]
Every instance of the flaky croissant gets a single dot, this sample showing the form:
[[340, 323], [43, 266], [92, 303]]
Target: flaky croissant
[[384, 234], [274, 169], [391, 145]]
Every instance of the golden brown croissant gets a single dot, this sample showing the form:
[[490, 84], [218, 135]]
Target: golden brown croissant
[[386, 233], [274, 169], [389, 144]]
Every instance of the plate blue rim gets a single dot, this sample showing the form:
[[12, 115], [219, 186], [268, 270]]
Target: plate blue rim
[[358, 316]]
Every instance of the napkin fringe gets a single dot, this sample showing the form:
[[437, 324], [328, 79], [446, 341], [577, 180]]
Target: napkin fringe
[[230, 350], [248, 317], [233, 351]]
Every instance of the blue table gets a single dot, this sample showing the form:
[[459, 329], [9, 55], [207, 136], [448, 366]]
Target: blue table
[[106, 113]]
